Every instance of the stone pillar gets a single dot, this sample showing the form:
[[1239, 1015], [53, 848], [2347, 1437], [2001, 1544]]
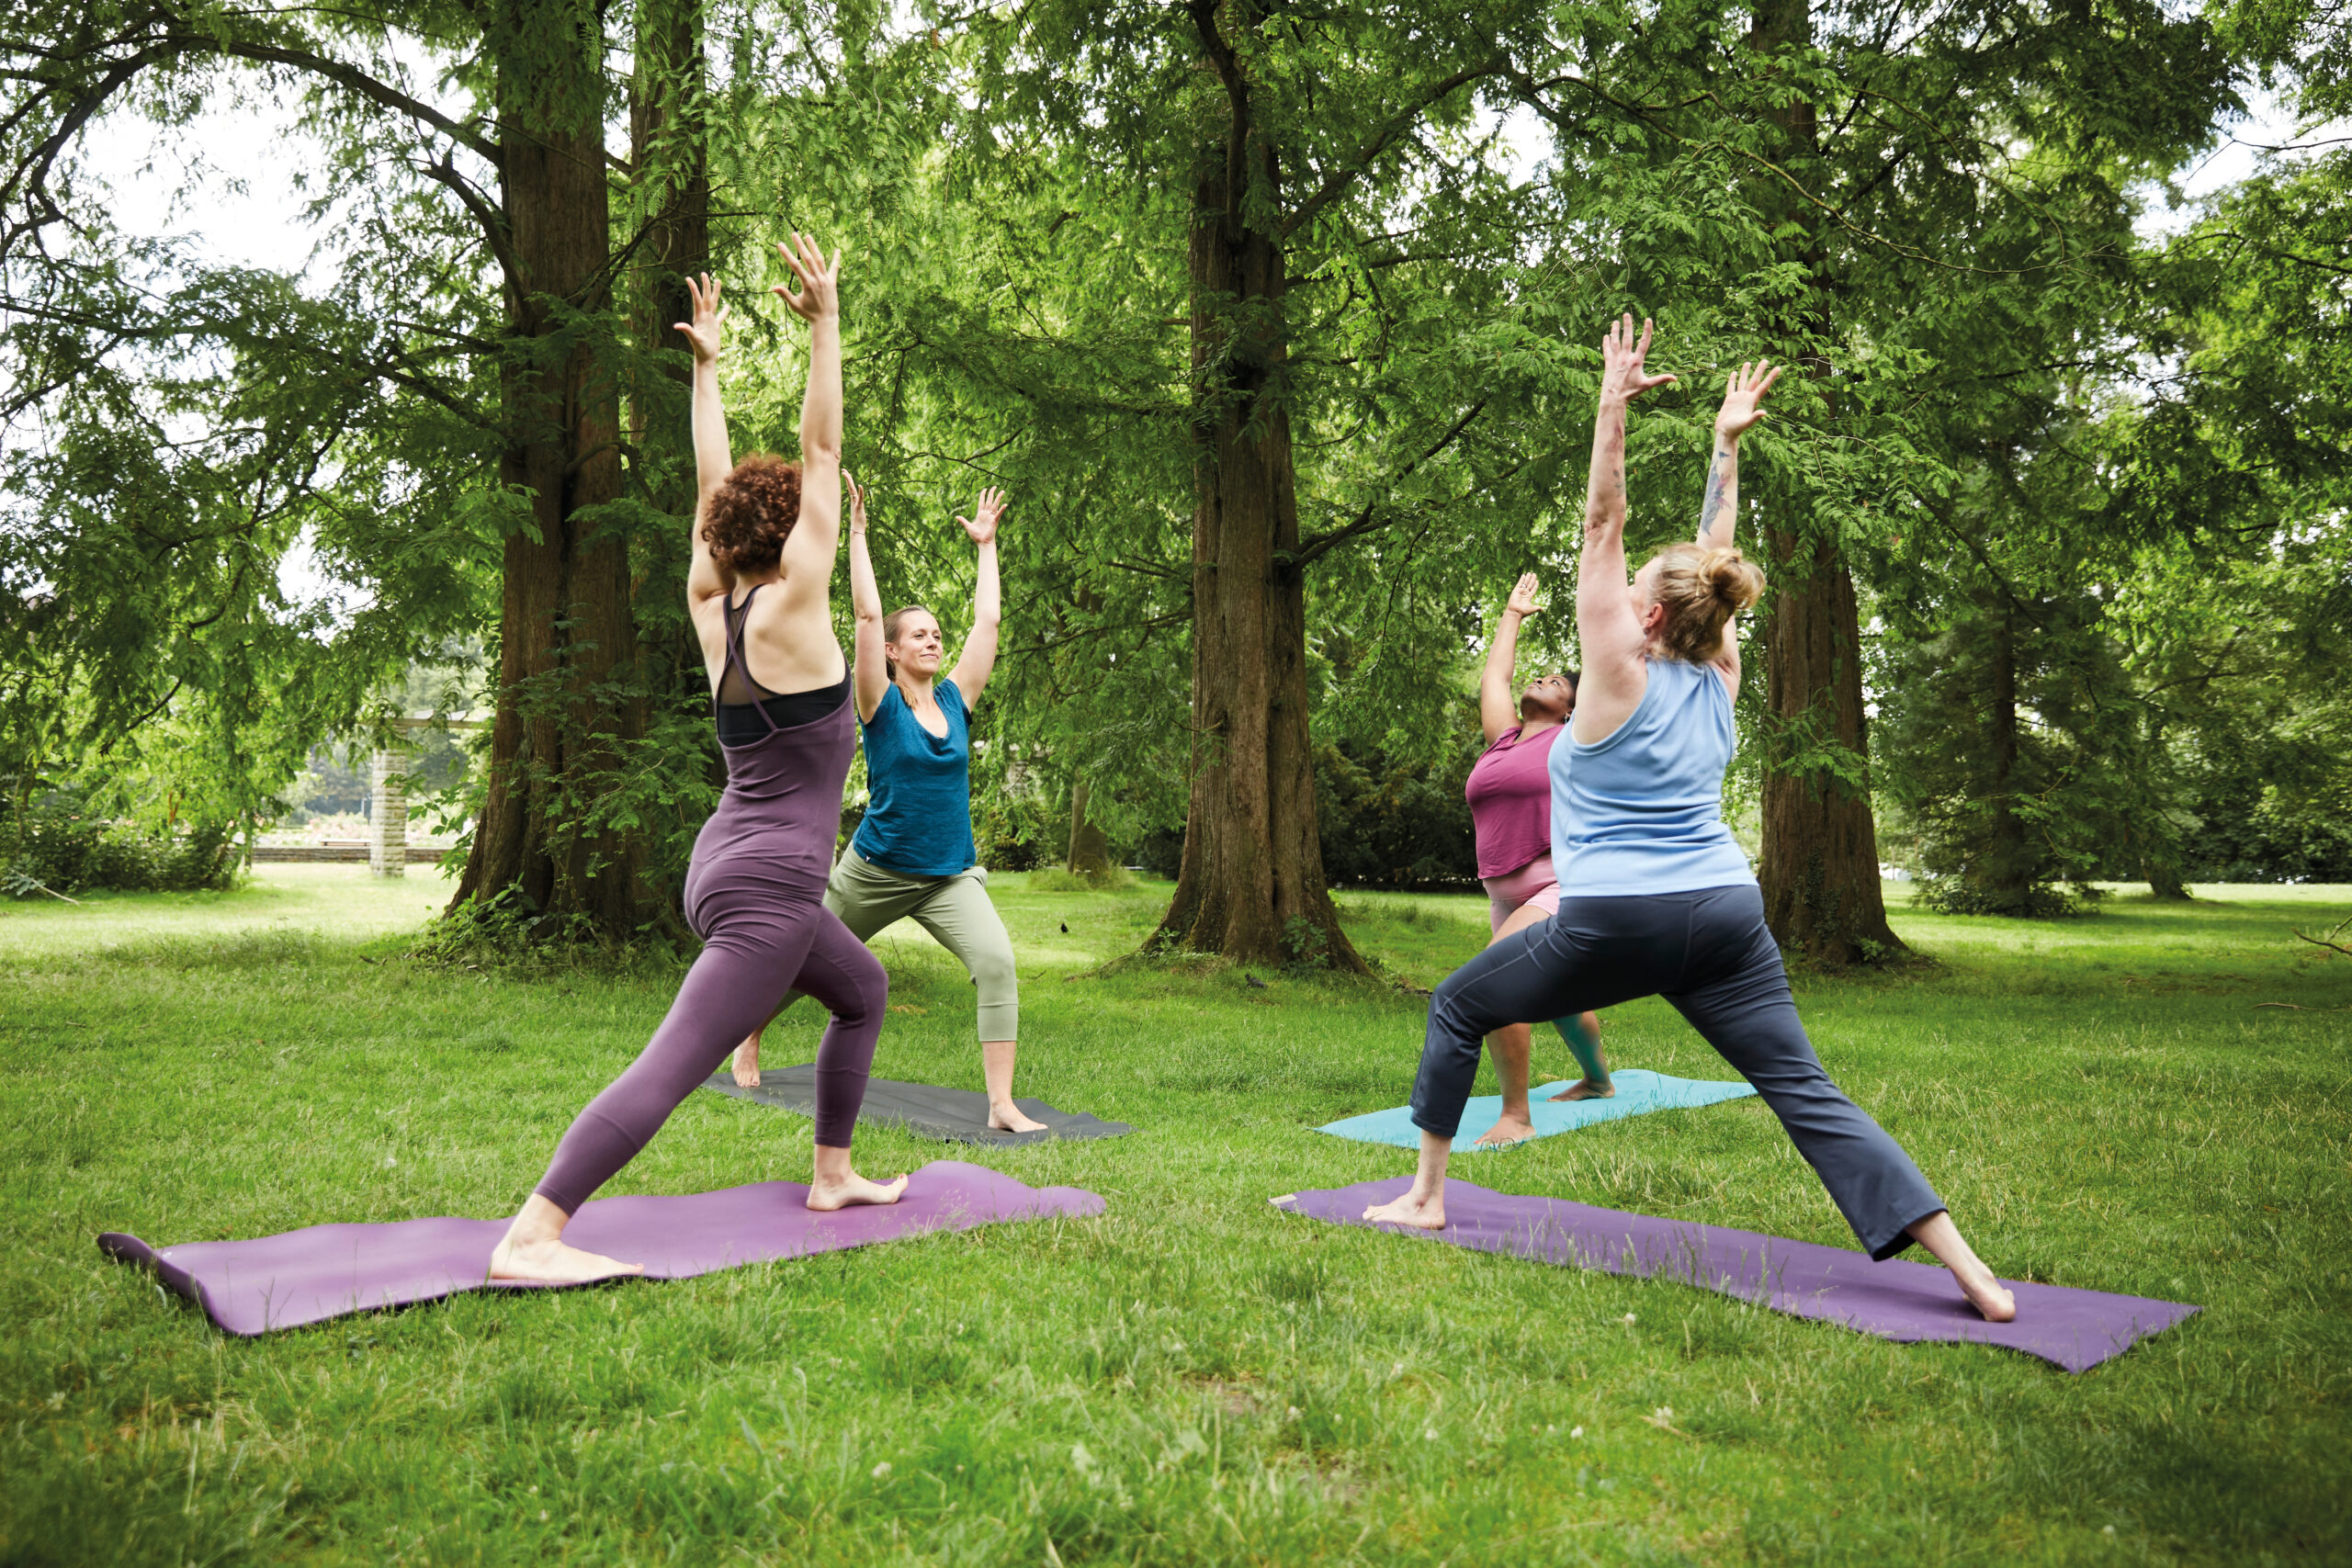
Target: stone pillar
[[388, 814]]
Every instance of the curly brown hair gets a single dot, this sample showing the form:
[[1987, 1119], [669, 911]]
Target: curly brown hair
[[751, 514]]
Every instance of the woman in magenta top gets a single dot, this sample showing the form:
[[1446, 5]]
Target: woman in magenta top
[[1510, 810]]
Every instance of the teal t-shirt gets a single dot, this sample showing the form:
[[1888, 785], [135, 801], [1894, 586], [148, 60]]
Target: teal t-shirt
[[919, 809]]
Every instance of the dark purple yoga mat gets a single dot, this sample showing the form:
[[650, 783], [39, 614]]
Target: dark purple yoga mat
[[1903, 1302], [308, 1276]]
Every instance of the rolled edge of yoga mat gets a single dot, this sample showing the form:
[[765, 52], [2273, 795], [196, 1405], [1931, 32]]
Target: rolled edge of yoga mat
[[266, 1283]]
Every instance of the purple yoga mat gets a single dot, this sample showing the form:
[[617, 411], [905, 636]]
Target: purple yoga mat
[[1903, 1302], [308, 1276]]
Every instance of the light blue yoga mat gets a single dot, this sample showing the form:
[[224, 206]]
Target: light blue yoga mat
[[1638, 1092]]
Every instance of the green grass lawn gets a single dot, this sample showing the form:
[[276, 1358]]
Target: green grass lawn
[[1193, 1377]]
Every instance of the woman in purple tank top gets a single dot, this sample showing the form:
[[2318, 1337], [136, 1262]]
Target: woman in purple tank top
[[1511, 812], [767, 530], [1660, 901]]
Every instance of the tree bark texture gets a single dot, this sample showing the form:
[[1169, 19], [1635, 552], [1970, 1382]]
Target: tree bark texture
[[1090, 849], [1251, 884], [1822, 895], [567, 636], [669, 160]]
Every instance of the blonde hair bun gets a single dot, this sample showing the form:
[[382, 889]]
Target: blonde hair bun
[[1702, 589], [1732, 577]]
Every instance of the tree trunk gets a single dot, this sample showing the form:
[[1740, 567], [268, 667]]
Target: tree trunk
[[565, 629], [2160, 861], [669, 167], [1089, 851], [1822, 896], [2007, 870], [1251, 884]]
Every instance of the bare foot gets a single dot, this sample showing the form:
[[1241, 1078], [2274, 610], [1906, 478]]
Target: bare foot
[[1507, 1129], [1010, 1117], [550, 1262], [828, 1193], [1585, 1089], [747, 1063], [1426, 1214], [1994, 1302]]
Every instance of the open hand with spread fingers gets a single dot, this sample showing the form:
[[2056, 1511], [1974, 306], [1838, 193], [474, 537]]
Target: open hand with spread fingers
[[1623, 374], [1522, 597], [819, 293], [1744, 398], [705, 330], [981, 526]]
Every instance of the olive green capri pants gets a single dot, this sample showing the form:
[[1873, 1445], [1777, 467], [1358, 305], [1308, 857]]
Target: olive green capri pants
[[954, 909]]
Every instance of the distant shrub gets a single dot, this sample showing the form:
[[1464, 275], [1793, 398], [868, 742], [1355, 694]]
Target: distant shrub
[[1386, 824], [1016, 832], [58, 845], [1161, 853], [1054, 879], [1957, 894]]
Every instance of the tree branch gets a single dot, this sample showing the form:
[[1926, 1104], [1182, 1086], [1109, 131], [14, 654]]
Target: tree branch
[[1335, 185], [1314, 550], [488, 219], [381, 94]]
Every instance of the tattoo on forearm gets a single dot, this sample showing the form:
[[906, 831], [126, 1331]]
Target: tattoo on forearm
[[1709, 507]]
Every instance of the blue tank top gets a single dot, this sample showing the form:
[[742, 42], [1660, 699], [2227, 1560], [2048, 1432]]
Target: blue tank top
[[1642, 811], [919, 811]]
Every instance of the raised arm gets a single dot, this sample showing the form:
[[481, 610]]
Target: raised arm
[[816, 538], [978, 658], [1612, 638], [869, 669], [1719, 511], [713, 461], [1496, 712]]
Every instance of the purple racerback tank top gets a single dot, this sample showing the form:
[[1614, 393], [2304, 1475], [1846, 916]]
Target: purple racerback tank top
[[783, 802]]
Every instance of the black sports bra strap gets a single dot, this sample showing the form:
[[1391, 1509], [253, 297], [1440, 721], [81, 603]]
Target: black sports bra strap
[[737, 618]]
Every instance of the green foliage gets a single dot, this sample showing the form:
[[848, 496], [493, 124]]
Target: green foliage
[[2007, 388], [59, 843], [1385, 822]]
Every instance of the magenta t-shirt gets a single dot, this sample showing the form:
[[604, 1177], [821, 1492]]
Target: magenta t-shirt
[[1510, 801]]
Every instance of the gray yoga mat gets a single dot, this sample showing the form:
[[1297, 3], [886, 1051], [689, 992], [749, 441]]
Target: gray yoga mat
[[955, 1115]]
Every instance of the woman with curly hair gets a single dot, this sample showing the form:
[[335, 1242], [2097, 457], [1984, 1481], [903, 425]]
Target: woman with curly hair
[[769, 530], [913, 857], [1659, 898]]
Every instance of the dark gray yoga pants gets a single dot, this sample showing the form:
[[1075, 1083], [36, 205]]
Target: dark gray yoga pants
[[1708, 953]]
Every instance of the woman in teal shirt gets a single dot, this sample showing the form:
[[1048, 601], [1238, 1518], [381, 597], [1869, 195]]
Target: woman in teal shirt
[[912, 855]]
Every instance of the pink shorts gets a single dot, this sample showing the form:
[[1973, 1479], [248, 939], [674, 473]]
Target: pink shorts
[[1531, 884]]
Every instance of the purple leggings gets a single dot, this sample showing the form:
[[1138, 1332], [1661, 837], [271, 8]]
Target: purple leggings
[[762, 938]]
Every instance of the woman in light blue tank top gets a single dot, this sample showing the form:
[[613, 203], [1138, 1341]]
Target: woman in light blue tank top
[[1663, 901]]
